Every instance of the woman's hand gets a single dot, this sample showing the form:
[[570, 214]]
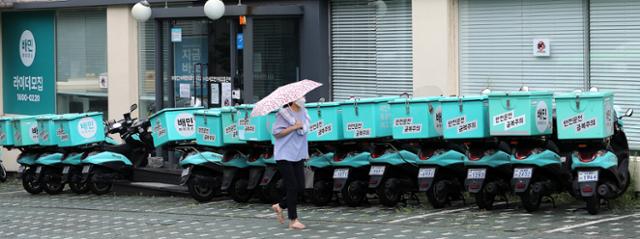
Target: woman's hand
[[297, 125]]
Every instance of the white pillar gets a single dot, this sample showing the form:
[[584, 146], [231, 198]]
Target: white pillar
[[122, 60], [435, 47]]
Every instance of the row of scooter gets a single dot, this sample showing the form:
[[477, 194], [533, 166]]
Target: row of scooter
[[489, 145]]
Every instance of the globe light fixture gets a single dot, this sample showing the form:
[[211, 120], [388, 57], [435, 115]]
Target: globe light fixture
[[214, 9], [141, 11]]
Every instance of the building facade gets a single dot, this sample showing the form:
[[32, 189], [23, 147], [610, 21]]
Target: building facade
[[97, 57]]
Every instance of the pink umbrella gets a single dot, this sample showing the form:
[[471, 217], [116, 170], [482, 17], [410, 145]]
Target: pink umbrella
[[283, 95]]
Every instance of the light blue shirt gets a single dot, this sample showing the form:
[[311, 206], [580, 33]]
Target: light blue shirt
[[293, 146]]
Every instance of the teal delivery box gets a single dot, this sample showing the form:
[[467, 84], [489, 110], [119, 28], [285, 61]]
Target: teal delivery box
[[586, 115], [366, 118], [6, 131], [47, 130], [465, 117], [25, 131], [416, 118], [521, 113], [325, 123], [173, 125], [209, 127], [79, 129], [230, 125], [217, 127], [252, 128]]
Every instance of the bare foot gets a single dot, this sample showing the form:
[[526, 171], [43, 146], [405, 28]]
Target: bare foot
[[296, 225], [276, 208]]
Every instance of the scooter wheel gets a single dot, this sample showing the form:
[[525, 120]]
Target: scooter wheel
[[438, 195], [30, 182], [49, 184], [530, 200], [593, 204], [202, 191], [389, 192], [322, 193], [484, 200], [238, 190], [3, 173], [354, 193], [100, 188], [79, 188]]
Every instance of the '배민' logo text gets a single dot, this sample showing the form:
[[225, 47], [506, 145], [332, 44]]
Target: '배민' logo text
[[27, 48]]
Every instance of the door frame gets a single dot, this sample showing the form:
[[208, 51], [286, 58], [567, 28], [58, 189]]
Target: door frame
[[166, 15]]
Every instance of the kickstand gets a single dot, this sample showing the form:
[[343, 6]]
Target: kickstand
[[552, 200], [506, 200], [464, 201], [412, 196], [607, 203], [415, 197]]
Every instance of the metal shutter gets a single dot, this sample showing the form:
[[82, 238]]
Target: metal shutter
[[615, 56], [496, 38], [371, 48]]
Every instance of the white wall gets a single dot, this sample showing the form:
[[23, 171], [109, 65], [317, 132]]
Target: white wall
[[435, 54], [122, 62]]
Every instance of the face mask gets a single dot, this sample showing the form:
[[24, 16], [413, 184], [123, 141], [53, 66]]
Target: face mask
[[300, 102]]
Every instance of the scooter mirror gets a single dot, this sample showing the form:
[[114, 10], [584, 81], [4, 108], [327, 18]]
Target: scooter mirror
[[133, 107], [628, 113]]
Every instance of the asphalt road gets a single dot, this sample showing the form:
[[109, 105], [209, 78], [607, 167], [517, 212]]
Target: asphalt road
[[131, 216]]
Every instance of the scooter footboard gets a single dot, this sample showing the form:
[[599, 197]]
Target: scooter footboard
[[269, 173], [255, 175], [227, 177]]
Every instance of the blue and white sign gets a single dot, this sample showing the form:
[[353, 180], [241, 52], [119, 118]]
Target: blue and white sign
[[28, 71], [176, 34], [240, 41]]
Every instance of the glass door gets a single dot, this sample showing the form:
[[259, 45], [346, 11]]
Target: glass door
[[201, 56]]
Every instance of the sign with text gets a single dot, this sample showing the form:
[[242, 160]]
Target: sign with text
[[28, 45]]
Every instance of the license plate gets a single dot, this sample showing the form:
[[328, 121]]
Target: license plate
[[86, 169], [522, 172], [376, 170], [476, 173], [65, 170], [341, 173], [427, 173], [185, 172], [21, 169], [588, 176], [38, 169]]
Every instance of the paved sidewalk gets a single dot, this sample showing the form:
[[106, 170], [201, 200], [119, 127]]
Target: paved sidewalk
[[127, 216]]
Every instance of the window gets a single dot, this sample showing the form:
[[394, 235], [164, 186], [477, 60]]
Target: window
[[81, 61]]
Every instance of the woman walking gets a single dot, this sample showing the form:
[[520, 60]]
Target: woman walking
[[290, 151]]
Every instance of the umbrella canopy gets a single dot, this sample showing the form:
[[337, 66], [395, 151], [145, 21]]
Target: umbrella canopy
[[283, 95]]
